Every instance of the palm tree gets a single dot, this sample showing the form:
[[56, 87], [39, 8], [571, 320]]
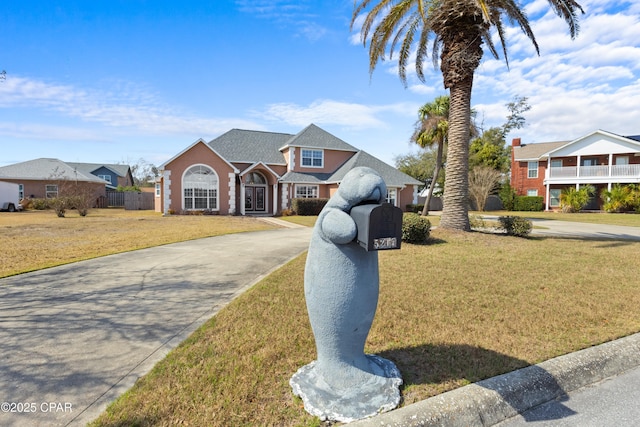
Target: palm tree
[[457, 30], [432, 128]]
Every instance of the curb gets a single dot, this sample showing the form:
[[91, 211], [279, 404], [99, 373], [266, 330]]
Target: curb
[[496, 399], [280, 222]]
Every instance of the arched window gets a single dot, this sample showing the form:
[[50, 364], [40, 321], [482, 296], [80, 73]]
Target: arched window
[[255, 178], [200, 188]]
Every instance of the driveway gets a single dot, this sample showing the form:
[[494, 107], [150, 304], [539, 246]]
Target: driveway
[[73, 338], [579, 230], [546, 227]]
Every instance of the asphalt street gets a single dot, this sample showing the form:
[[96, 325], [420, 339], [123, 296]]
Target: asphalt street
[[613, 402]]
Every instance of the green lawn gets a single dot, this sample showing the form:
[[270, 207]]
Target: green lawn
[[465, 307]]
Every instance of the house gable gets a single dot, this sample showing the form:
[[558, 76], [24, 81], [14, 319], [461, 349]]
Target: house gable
[[597, 143]]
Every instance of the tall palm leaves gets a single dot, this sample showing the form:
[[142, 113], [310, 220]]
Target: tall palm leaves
[[456, 31], [432, 128]]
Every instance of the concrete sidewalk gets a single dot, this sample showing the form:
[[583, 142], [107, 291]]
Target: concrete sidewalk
[[74, 338]]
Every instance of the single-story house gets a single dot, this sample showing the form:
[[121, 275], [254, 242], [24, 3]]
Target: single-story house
[[247, 172], [43, 178], [600, 158]]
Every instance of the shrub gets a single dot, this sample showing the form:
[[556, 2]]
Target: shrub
[[572, 200], [529, 203], [515, 225], [307, 207], [59, 205], [619, 199], [476, 221], [415, 228], [39, 204], [507, 195]]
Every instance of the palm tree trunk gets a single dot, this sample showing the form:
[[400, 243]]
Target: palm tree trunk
[[455, 213], [436, 172]]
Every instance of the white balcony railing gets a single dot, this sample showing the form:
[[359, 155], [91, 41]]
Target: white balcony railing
[[615, 171]]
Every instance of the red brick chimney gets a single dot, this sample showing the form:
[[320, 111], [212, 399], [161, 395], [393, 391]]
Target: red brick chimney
[[516, 142]]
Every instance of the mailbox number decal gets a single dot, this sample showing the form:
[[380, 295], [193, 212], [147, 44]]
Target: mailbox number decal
[[385, 243]]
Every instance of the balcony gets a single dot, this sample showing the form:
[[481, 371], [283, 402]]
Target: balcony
[[602, 173]]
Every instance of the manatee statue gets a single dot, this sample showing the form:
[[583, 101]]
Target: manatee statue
[[341, 283]]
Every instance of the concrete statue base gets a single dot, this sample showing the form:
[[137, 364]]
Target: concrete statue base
[[374, 393]]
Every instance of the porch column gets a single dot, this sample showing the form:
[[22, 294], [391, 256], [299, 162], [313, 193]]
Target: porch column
[[610, 164], [275, 198], [242, 196], [166, 192], [578, 166], [547, 197]]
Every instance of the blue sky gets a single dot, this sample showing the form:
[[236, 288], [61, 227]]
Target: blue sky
[[119, 80]]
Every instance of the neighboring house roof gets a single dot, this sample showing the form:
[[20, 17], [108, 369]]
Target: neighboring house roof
[[314, 137], [536, 151], [542, 150], [250, 146], [89, 168], [45, 170]]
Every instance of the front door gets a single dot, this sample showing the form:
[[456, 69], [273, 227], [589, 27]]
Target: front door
[[255, 199]]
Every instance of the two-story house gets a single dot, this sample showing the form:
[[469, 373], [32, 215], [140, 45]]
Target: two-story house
[[246, 172], [600, 159], [114, 174]]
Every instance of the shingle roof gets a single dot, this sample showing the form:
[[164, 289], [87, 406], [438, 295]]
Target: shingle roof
[[46, 169], [314, 137], [305, 178], [392, 176], [88, 168], [535, 151], [250, 146]]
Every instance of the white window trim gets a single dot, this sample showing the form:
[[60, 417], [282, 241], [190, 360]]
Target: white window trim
[[51, 188], [312, 151], [551, 198], [106, 178], [217, 187], [297, 186], [530, 170], [394, 198]]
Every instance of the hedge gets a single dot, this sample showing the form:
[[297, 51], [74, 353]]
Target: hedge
[[529, 203], [308, 207]]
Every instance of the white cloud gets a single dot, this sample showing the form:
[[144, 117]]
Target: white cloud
[[125, 107], [330, 112]]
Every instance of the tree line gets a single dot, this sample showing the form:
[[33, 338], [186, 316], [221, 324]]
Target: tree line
[[489, 154]]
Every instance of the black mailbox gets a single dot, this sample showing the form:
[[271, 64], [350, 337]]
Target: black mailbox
[[379, 226]]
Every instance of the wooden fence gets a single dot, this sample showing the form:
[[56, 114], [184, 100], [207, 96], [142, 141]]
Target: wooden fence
[[138, 201], [131, 200]]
